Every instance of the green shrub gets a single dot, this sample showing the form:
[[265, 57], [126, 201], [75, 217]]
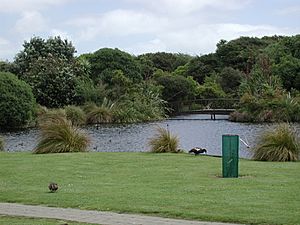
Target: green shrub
[[58, 135], [1, 144], [75, 114], [17, 104], [164, 141], [281, 145]]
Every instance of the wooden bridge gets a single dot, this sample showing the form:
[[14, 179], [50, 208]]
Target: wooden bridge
[[212, 107]]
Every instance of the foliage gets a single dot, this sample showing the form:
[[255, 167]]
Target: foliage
[[17, 104], [261, 82], [6, 66], [289, 71], [142, 105], [38, 48], [163, 141], [105, 60], [280, 108], [176, 88], [120, 85], [280, 145], [285, 57], [210, 89], [75, 114], [230, 79], [202, 66], [58, 135], [99, 114], [1, 144], [167, 62], [241, 53], [147, 66], [53, 81], [87, 91]]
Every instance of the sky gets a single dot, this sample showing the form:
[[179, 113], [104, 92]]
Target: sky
[[140, 26]]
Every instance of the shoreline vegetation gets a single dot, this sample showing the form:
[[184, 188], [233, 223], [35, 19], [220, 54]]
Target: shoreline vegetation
[[112, 86], [167, 185]]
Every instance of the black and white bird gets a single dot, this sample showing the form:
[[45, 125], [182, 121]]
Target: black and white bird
[[53, 187], [198, 150]]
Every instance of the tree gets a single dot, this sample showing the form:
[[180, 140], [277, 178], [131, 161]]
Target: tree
[[289, 71], [147, 67], [17, 104], [261, 82], [230, 79], [176, 88], [210, 89], [202, 66], [241, 53], [38, 48], [53, 82], [167, 62], [106, 60]]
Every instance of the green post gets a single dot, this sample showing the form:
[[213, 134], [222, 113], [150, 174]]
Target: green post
[[230, 155]]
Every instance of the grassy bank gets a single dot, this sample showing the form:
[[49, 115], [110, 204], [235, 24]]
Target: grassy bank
[[171, 185], [12, 220]]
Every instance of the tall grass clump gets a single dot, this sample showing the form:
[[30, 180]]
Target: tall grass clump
[[280, 145], [163, 141], [99, 114], [75, 114], [58, 135], [1, 144]]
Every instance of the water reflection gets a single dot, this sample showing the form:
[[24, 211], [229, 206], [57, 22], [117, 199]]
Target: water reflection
[[192, 130]]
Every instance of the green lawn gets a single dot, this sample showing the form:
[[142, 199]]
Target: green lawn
[[10, 220], [170, 185]]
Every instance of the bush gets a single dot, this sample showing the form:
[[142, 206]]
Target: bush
[[58, 135], [280, 145], [17, 104], [1, 144], [164, 141], [75, 114]]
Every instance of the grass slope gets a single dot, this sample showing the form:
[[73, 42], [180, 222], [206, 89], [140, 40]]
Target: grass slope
[[12, 220], [171, 185]]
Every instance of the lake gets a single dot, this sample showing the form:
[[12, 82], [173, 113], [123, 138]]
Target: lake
[[192, 130]]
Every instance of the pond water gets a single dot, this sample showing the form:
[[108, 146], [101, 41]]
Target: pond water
[[192, 130]]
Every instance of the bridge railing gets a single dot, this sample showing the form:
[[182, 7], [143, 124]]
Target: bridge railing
[[198, 104]]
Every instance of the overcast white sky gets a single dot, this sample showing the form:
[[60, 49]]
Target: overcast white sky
[[140, 26]]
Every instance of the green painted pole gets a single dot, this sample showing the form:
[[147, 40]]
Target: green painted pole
[[230, 155]]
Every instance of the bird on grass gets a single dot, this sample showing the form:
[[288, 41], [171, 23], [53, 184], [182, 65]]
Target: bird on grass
[[198, 150], [53, 187]]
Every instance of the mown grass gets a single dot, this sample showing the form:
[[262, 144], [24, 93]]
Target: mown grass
[[12, 220], [170, 185]]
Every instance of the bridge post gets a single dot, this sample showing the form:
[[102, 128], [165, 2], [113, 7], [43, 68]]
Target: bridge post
[[213, 116]]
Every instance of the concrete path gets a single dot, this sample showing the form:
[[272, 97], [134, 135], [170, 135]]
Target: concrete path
[[88, 216]]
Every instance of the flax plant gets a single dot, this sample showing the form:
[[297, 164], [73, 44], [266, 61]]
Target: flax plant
[[281, 144]]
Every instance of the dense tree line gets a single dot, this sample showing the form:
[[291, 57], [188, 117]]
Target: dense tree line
[[263, 72]]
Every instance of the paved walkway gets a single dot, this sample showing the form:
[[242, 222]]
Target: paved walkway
[[88, 216]]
